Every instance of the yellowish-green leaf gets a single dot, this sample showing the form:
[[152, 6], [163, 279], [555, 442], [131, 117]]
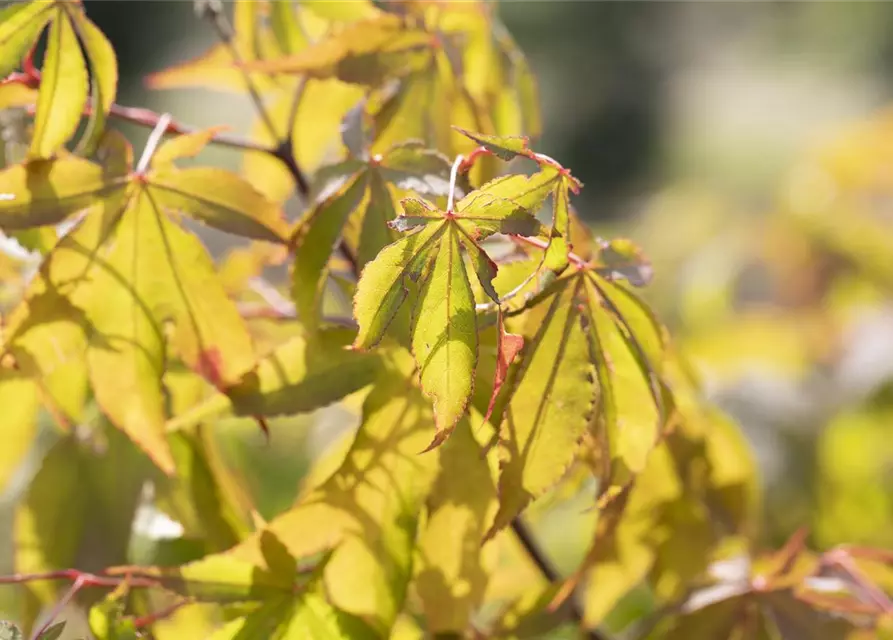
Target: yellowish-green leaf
[[314, 240], [552, 400], [18, 418], [556, 256], [126, 354], [44, 192], [104, 73], [506, 205], [183, 146], [63, 89], [299, 376], [382, 287], [503, 147], [20, 25], [48, 523], [365, 52], [451, 578], [221, 200], [286, 26], [624, 549], [204, 497], [444, 335], [342, 11], [373, 514]]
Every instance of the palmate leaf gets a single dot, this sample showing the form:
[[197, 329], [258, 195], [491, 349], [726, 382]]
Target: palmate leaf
[[369, 508], [427, 57], [359, 205], [75, 47], [443, 327], [589, 371], [127, 269], [695, 498]]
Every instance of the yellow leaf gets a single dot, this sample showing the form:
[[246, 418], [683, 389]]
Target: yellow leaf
[[219, 199], [18, 418], [452, 578], [371, 504], [552, 398], [63, 89]]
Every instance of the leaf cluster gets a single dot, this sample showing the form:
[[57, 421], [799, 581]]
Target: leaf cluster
[[496, 354]]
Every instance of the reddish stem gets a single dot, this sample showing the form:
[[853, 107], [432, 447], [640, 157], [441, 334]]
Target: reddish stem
[[28, 65], [161, 614]]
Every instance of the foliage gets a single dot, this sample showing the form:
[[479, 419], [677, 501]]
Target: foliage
[[496, 355]]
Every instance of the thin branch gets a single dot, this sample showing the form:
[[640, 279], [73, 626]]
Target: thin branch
[[149, 118], [213, 10], [550, 573], [153, 142], [453, 172], [542, 244], [59, 606]]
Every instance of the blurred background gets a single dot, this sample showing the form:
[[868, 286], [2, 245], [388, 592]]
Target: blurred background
[[748, 149]]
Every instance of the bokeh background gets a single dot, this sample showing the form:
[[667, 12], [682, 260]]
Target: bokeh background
[[747, 147]]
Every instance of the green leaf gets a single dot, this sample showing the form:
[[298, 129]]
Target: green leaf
[[365, 52], [224, 578], [63, 89], [299, 376], [314, 241], [556, 256], [45, 192], [104, 74], [48, 523], [107, 622], [506, 205], [504, 147], [414, 167], [382, 288], [204, 496], [20, 25], [371, 517], [53, 632], [444, 335], [552, 399], [451, 578], [221, 200]]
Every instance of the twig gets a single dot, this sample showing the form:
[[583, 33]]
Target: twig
[[550, 573], [149, 118], [453, 172], [214, 12], [542, 244], [153, 142]]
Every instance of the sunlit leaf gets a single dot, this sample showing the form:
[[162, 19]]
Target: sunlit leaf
[[63, 89], [451, 578], [504, 147], [370, 504], [552, 397], [299, 376]]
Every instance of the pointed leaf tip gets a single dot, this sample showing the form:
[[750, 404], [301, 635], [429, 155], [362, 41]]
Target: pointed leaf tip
[[509, 345], [503, 147]]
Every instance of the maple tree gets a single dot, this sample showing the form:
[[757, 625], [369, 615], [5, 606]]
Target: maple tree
[[441, 287]]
